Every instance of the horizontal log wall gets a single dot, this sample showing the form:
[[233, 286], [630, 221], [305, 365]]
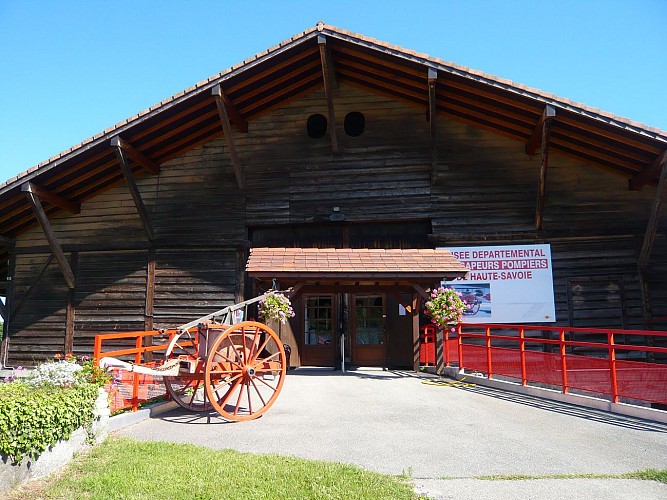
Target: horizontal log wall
[[485, 193], [37, 328]]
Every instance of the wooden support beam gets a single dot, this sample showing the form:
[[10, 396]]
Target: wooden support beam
[[52, 198], [656, 213], [645, 176], [134, 190], [544, 129], [229, 139], [232, 111], [538, 133], [56, 249], [329, 83], [134, 154], [432, 113], [71, 308], [6, 242]]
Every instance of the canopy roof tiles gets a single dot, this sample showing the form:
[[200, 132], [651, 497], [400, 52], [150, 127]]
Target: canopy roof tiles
[[353, 263]]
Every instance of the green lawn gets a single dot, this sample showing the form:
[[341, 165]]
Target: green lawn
[[128, 469]]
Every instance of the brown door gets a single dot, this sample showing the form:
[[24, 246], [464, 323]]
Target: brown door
[[369, 346], [319, 343]]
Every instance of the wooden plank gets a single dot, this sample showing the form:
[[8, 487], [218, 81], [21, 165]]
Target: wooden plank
[[237, 119], [6, 242], [654, 218], [134, 191], [51, 238], [329, 82], [645, 176], [537, 138], [432, 113], [150, 291], [136, 155], [52, 198], [71, 308], [542, 183], [229, 139], [32, 286]]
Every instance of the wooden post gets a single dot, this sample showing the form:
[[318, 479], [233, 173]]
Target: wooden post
[[654, 217], [50, 235], [229, 139], [150, 290], [329, 81], [543, 129], [432, 112], [415, 331], [11, 271], [71, 308], [134, 190]]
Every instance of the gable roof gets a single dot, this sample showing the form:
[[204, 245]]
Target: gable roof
[[293, 68]]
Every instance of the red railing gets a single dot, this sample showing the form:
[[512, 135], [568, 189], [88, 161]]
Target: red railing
[[131, 389], [587, 359]]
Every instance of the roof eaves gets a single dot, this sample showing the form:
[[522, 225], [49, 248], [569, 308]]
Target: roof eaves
[[501, 83], [162, 106]]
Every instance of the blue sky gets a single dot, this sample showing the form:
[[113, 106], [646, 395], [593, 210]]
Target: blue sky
[[69, 69]]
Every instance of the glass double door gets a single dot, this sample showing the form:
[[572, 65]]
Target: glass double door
[[358, 319]]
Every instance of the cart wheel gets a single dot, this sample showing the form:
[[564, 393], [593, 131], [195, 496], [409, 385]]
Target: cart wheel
[[245, 371], [186, 390]]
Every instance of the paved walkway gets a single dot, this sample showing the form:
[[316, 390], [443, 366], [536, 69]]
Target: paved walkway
[[391, 422]]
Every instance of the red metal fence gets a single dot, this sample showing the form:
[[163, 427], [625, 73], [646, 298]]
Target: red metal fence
[[130, 389], [616, 363]]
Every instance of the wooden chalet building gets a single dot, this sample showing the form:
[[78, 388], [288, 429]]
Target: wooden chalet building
[[335, 164]]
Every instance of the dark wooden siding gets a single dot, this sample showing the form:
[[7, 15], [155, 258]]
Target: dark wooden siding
[[110, 294], [37, 329], [190, 283], [485, 194]]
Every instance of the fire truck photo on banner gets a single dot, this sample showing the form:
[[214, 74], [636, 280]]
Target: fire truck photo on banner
[[506, 284]]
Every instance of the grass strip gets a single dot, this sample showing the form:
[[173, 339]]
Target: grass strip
[[129, 469]]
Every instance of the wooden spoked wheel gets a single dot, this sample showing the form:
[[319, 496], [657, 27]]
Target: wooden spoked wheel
[[245, 371], [187, 389]]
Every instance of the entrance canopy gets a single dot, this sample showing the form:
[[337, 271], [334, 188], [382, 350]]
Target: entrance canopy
[[353, 266]]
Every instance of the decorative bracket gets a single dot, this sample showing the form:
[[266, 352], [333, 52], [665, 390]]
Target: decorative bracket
[[642, 178], [329, 83], [227, 129], [116, 143], [656, 212], [52, 198], [134, 154], [432, 113], [48, 232]]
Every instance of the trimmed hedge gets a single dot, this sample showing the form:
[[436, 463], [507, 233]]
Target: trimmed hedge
[[34, 418]]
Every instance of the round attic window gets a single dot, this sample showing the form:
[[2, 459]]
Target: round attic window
[[355, 122], [316, 126]]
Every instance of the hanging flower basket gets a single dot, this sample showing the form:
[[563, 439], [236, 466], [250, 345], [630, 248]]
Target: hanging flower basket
[[275, 307], [445, 307]]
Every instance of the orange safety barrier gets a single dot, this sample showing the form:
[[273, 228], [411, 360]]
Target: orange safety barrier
[[566, 357], [130, 389]]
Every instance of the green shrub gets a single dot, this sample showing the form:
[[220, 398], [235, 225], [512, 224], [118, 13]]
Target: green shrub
[[33, 418]]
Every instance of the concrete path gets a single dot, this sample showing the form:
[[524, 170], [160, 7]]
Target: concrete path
[[394, 423]]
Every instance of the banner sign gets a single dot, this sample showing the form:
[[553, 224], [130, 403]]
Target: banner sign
[[506, 284]]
